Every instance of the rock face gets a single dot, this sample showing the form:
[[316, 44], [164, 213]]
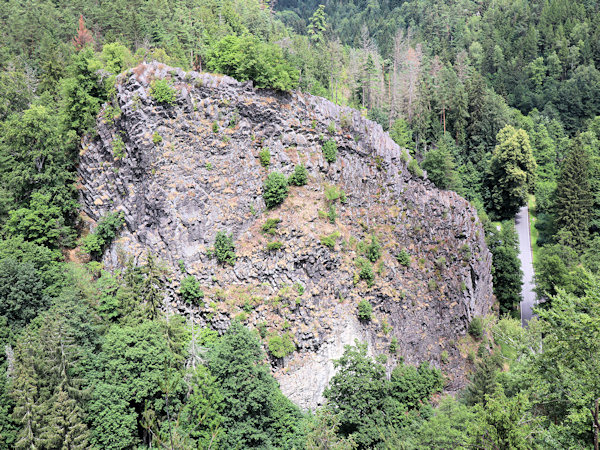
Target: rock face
[[183, 172]]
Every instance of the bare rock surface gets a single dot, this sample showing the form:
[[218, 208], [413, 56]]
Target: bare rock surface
[[191, 169]]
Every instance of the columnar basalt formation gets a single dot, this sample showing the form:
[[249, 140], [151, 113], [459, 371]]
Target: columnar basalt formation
[[191, 169]]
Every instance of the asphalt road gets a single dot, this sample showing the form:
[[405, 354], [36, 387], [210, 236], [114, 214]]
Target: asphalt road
[[522, 226]]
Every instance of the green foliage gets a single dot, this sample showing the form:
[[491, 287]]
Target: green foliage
[[270, 226], [275, 189], [281, 345], [255, 413], [200, 416], [476, 327], [107, 229], [274, 246], [82, 92], [190, 291], [331, 129], [163, 92], [403, 257], [136, 362], [365, 311], [22, 293], [330, 239], [299, 177], [265, 157], [365, 271], [574, 197], [329, 151], [368, 405], [373, 251], [507, 272], [118, 148], [413, 167], [402, 134], [156, 138], [440, 166], [334, 193], [247, 58], [224, 249], [512, 172], [42, 223], [215, 127]]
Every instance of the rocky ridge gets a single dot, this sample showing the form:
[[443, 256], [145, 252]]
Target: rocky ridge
[[185, 171]]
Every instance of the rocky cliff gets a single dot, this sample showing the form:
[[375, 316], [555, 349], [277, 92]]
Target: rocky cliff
[[183, 172]]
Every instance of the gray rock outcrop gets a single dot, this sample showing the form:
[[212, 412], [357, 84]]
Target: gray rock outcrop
[[191, 169]]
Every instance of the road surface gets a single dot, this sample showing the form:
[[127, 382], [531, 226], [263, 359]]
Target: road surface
[[522, 226]]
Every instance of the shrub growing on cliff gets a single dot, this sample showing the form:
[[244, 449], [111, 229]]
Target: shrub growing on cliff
[[224, 249], [365, 311], [299, 177], [275, 189], [190, 291], [330, 151], [413, 167], [247, 58], [365, 271], [162, 92], [281, 346], [476, 327], [270, 226], [373, 249], [106, 231], [265, 157], [403, 257]]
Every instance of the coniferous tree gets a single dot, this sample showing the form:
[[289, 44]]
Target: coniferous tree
[[573, 201]]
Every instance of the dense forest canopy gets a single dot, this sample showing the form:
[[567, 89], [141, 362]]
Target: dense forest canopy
[[498, 100]]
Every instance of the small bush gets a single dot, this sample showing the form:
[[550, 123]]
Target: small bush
[[330, 151], [444, 357], [265, 157], [107, 229], [299, 288], [333, 193], [270, 226], [403, 257], [432, 285], [274, 246], [330, 240], [215, 127], [466, 252], [275, 189], [332, 214], [365, 311], [374, 249], [118, 148], [394, 345], [476, 327], [281, 346], [440, 263], [190, 291], [224, 249], [163, 92], [156, 138], [331, 128], [299, 177], [413, 167], [365, 271]]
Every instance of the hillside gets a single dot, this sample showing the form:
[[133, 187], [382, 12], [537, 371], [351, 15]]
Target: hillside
[[183, 172]]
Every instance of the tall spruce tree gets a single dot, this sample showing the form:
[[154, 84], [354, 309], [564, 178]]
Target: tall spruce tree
[[573, 202]]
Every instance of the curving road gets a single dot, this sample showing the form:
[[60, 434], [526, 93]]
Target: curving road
[[522, 226]]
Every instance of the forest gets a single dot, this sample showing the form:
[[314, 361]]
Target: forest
[[497, 100]]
